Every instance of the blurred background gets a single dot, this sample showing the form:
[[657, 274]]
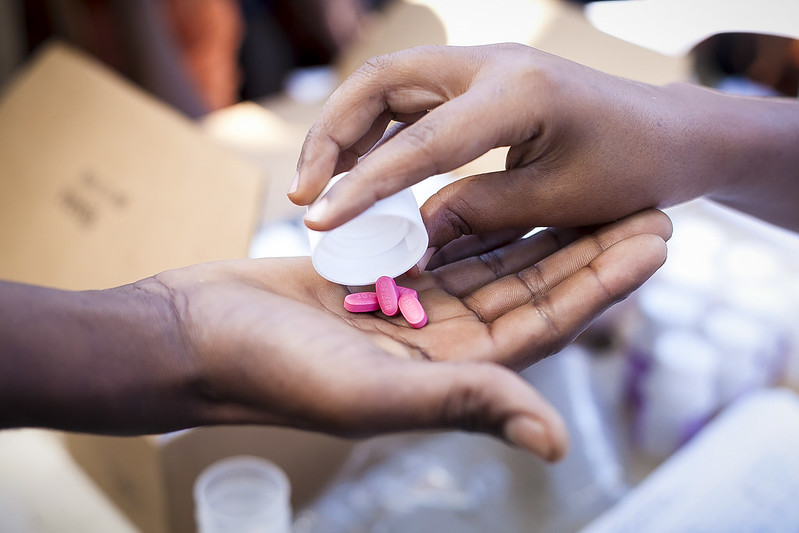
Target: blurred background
[[198, 55], [203, 55], [681, 400]]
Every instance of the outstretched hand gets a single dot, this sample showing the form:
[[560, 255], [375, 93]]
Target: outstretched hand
[[277, 346], [268, 341]]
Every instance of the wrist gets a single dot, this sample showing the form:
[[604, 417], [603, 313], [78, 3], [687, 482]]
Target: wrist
[[162, 371], [744, 150], [703, 143], [109, 361]]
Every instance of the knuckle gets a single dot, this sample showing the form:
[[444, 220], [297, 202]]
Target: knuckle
[[595, 245], [476, 404], [607, 293], [420, 136], [510, 46], [465, 407], [458, 224], [313, 135], [374, 65], [320, 136], [546, 314], [535, 281], [456, 212], [494, 262]]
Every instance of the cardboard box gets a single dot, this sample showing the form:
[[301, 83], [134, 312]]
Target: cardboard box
[[151, 478], [269, 134], [101, 185]]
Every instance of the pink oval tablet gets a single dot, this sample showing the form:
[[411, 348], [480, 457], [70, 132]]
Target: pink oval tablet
[[411, 308], [361, 302], [387, 295], [406, 290]]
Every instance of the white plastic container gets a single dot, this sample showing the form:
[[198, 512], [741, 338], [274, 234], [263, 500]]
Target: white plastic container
[[679, 392], [753, 351], [242, 494], [385, 240]]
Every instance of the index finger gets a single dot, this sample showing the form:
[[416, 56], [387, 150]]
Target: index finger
[[462, 117], [397, 85], [441, 141]]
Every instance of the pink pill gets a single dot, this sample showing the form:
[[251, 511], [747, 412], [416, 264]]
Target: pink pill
[[387, 295], [361, 302], [411, 308], [406, 290]]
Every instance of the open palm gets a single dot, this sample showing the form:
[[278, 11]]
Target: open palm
[[279, 347]]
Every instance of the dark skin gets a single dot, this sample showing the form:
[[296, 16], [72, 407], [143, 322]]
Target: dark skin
[[268, 342], [584, 147]]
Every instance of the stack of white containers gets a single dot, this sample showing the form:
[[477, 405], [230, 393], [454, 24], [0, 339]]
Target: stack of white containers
[[717, 322]]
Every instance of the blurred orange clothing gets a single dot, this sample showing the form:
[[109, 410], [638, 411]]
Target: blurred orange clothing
[[209, 34]]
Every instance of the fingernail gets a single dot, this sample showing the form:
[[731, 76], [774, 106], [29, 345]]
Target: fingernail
[[294, 183], [317, 210], [531, 435], [422, 264]]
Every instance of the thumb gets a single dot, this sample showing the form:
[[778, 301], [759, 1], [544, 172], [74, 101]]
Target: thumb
[[477, 204], [483, 397]]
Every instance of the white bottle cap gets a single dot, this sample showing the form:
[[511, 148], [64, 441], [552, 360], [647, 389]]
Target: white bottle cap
[[385, 240]]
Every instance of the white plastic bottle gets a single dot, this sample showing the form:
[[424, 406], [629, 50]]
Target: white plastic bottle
[[679, 392], [753, 351]]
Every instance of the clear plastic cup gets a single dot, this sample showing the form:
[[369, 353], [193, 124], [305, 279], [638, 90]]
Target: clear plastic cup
[[242, 494]]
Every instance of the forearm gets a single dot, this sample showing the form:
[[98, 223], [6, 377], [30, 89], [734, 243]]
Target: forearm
[[99, 361], [749, 149]]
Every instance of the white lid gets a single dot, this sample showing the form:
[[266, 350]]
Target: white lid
[[385, 240]]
